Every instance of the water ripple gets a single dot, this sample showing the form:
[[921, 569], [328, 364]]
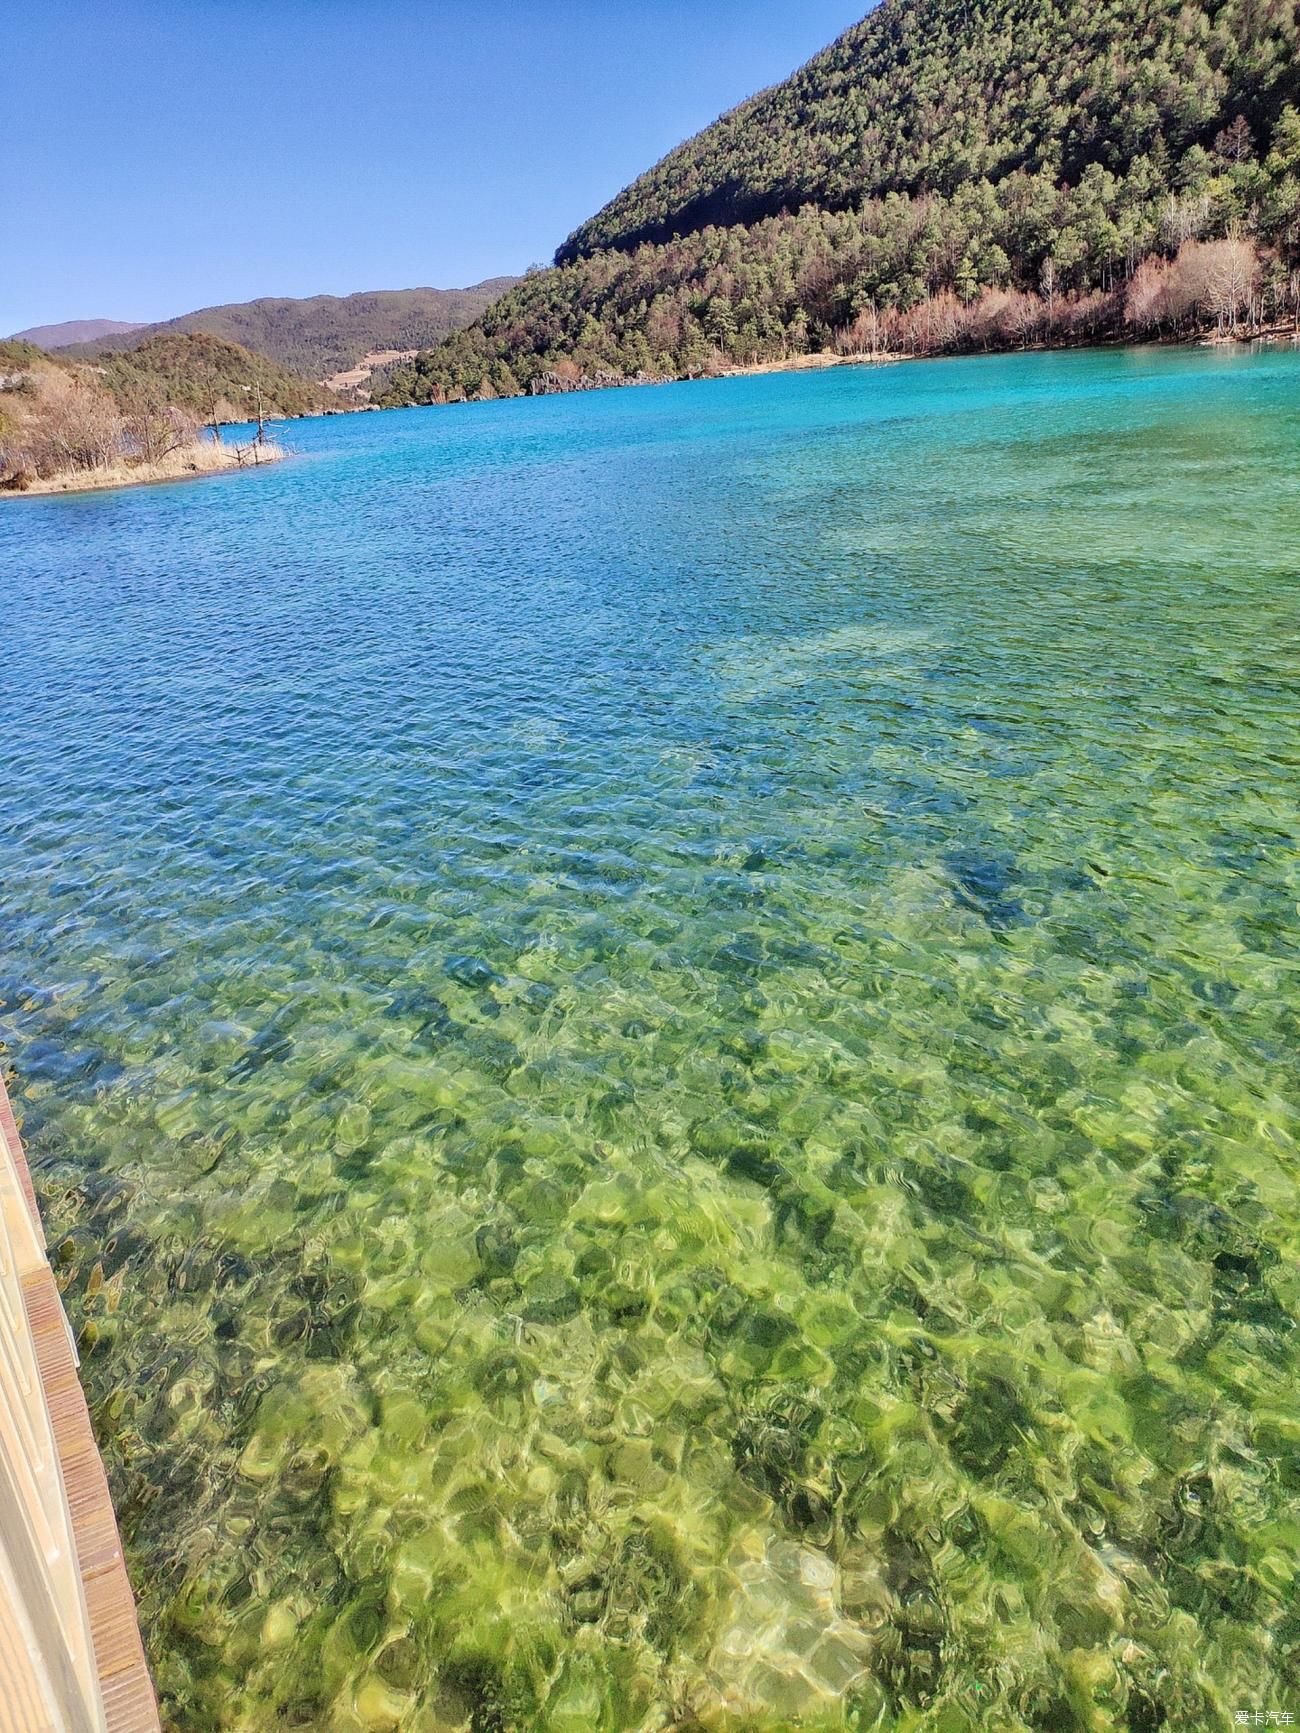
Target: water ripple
[[658, 1034]]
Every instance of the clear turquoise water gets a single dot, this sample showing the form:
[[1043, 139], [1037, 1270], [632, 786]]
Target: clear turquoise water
[[659, 1034]]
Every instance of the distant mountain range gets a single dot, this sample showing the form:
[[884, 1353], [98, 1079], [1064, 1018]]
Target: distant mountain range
[[314, 338], [75, 331]]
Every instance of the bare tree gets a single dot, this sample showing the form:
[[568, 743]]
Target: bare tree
[[1208, 278], [945, 321], [1230, 274], [76, 426], [1146, 303], [1182, 220], [154, 427], [1235, 143], [1047, 278], [1025, 317]]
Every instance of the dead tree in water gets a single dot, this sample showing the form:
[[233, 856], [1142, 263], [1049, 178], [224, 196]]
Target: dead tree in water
[[213, 420]]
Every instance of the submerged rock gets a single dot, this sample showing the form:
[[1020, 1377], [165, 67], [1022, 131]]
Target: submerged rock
[[985, 882], [472, 972], [785, 1645]]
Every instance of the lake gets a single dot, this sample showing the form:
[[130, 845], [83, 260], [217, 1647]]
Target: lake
[[658, 1032]]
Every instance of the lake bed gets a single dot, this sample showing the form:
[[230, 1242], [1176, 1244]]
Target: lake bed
[[658, 1034]]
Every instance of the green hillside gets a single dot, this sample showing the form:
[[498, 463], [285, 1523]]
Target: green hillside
[[17, 354], [947, 175], [200, 373], [325, 334], [933, 95]]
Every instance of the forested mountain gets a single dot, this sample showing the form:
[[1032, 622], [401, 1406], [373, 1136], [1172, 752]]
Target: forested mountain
[[949, 174], [325, 334], [928, 96]]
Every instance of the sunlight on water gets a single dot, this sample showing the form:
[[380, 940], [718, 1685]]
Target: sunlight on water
[[659, 1038]]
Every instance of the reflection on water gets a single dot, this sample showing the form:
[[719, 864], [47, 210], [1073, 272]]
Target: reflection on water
[[659, 1037]]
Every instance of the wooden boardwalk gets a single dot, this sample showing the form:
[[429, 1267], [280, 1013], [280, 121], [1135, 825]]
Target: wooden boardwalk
[[125, 1689]]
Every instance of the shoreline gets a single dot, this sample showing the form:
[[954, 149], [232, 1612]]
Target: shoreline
[[821, 360], [1280, 334], [213, 457], [818, 361], [210, 458]]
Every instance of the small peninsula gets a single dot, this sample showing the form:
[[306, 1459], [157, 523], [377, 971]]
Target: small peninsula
[[152, 415]]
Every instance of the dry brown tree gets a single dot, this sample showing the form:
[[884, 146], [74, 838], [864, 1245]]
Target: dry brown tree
[[59, 422]]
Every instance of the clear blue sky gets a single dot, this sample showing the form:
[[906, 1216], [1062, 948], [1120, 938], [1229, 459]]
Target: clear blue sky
[[162, 155]]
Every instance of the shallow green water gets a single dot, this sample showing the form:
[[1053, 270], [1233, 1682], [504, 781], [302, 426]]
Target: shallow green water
[[659, 1034]]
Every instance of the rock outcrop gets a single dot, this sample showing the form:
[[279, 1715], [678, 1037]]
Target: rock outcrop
[[552, 384]]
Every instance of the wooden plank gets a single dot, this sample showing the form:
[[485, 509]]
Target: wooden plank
[[130, 1704]]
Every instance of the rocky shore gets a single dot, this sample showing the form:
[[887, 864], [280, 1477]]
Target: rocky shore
[[553, 384]]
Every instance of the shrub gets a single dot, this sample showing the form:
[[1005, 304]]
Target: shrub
[[56, 422]]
